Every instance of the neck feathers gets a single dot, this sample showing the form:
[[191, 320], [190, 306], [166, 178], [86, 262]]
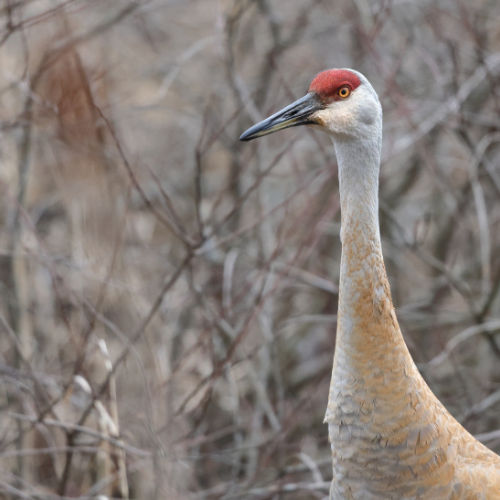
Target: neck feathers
[[366, 320]]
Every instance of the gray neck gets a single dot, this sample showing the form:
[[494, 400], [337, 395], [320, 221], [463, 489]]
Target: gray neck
[[359, 165]]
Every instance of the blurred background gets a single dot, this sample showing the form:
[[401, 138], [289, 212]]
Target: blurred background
[[168, 294]]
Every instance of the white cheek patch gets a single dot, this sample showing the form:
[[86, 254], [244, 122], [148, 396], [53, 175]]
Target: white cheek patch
[[345, 119], [335, 119]]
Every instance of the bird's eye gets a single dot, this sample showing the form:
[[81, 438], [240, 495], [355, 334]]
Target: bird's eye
[[344, 92]]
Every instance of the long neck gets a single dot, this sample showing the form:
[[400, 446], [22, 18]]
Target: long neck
[[363, 281], [368, 337]]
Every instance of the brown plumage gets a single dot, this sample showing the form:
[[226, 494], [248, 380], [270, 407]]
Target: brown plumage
[[391, 437]]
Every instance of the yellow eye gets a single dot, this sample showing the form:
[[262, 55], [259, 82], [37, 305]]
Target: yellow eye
[[344, 92]]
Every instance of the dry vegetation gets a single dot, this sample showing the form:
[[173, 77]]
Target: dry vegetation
[[168, 294]]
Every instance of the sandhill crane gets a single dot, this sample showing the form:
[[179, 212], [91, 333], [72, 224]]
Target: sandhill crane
[[391, 438]]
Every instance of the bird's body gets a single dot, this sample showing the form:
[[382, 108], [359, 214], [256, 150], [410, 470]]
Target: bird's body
[[391, 438]]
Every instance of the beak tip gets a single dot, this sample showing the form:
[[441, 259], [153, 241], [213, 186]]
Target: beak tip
[[250, 133], [245, 137]]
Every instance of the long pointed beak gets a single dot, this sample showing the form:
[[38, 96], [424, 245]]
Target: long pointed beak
[[297, 113]]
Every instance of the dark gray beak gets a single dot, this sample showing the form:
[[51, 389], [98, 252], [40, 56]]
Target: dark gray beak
[[297, 113]]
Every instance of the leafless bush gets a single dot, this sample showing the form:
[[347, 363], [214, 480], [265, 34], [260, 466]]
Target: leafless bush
[[168, 294]]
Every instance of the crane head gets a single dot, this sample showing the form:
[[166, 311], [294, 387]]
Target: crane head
[[341, 101]]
